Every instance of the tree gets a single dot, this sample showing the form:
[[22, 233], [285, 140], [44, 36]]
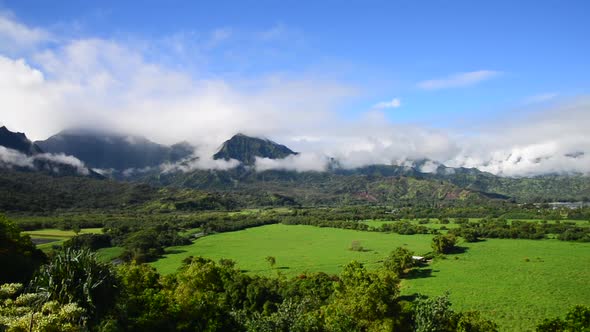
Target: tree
[[18, 255], [355, 245], [271, 261], [443, 244], [434, 315], [76, 229], [399, 261], [363, 300]]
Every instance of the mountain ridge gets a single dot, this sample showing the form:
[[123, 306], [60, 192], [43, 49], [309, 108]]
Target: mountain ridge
[[114, 151]]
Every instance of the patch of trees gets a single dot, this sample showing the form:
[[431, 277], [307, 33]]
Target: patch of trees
[[89, 241], [19, 257], [314, 221], [148, 244], [399, 261], [444, 243], [404, 228], [435, 314], [219, 226], [518, 229], [577, 319]]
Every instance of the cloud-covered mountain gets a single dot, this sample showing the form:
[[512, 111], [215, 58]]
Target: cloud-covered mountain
[[114, 151], [19, 153]]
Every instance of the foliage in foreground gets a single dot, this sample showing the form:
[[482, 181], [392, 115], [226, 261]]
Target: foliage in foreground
[[577, 319], [18, 255], [76, 292]]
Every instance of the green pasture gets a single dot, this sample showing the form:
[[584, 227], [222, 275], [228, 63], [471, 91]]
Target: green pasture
[[296, 248], [55, 236], [108, 254], [516, 283]]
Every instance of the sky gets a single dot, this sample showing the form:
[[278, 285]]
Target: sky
[[503, 86]]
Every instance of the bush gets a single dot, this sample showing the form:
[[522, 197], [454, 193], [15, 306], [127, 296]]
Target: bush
[[356, 246], [443, 244], [76, 276]]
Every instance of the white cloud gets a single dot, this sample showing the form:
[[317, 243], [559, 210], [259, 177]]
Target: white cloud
[[10, 158], [199, 163], [458, 80], [394, 103], [303, 162], [541, 98], [15, 36]]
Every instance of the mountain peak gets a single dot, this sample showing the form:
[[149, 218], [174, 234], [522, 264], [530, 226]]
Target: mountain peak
[[17, 141], [246, 148]]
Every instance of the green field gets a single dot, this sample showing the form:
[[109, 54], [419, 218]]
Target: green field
[[109, 254], [517, 283], [514, 282], [296, 248], [55, 236]]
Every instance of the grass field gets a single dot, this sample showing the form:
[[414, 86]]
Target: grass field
[[296, 248], [54, 236], [108, 254], [516, 283]]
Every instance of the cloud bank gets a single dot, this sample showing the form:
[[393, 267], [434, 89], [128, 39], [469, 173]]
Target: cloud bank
[[110, 84]]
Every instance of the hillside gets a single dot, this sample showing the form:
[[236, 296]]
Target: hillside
[[325, 188]]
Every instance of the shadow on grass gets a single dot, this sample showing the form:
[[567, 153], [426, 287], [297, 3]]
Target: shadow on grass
[[282, 268], [361, 250], [410, 297], [174, 251], [458, 250], [419, 274]]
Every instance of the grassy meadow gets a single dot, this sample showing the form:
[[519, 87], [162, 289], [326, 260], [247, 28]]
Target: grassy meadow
[[296, 248], [514, 282], [53, 236], [517, 283]]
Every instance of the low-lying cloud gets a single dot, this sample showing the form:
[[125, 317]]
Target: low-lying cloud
[[302, 162], [10, 158]]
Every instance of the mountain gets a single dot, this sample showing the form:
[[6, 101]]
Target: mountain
[[114, 151], [18, 141], [246, 149]]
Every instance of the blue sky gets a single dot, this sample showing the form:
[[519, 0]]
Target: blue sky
[[469, 83], [537, 48]]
